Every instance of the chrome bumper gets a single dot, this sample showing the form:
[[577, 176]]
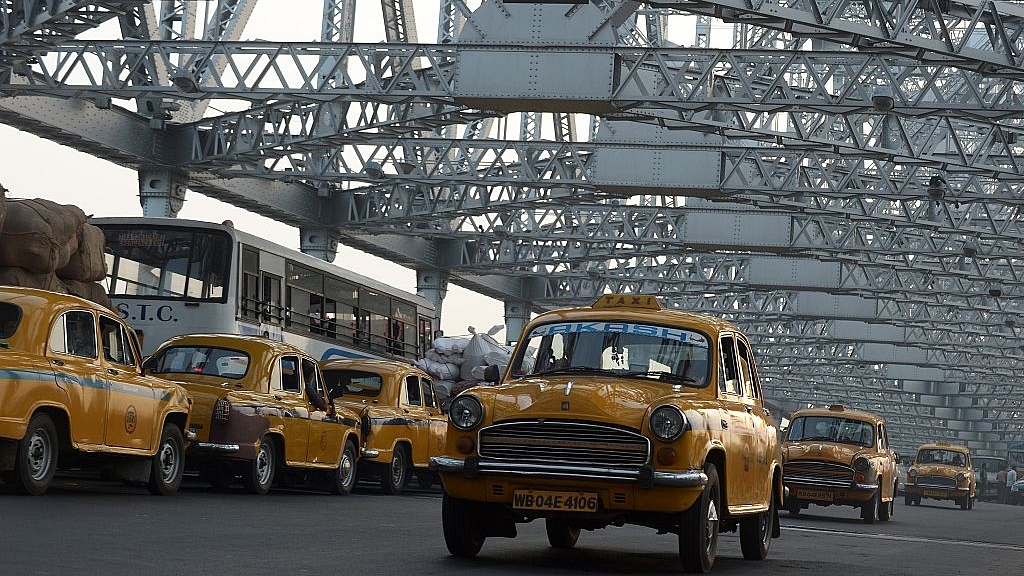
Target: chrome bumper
[[214, 447], [645, 476]]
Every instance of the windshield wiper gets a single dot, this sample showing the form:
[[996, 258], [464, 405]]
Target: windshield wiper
[[571, 370], [662, 375]]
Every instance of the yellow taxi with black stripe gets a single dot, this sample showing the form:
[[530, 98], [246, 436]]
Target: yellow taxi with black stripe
[[839, 456], [72, 395], [942, 471], [617, 413], [261, 413], [402, 422]]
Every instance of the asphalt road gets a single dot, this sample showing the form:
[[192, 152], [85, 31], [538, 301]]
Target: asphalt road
[[92, 527]]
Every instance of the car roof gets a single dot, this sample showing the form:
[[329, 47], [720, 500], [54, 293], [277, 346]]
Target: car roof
[[843, 411], [944, 446], [243, 342], [369, 364]]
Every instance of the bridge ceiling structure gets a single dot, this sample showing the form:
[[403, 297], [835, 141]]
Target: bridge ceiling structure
[[842, 179]]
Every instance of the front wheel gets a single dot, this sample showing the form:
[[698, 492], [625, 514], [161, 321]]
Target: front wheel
[[908, 499], [36, 459], [561, 534], [397, 473], [868, 512], [259, 476], [462, 533], [167, 465], [756, 532], [698, 529], [344, 477], [886, 509]]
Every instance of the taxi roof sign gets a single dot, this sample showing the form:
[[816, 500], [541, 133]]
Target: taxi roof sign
[[627, 301], [836, 407]]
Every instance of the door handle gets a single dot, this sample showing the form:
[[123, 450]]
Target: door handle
[[58, 362], [113, 372]]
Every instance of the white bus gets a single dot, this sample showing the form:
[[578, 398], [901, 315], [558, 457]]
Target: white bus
[[168, 276]]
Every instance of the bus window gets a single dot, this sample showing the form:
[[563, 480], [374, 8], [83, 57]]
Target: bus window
[[250, 293], [272, 309]]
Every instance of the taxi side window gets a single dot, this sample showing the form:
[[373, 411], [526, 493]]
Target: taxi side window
[[116, 343], [74, 333], [730, 382], [311, 377], [412, 388], [290, 374], [428, 393], [747, 371]]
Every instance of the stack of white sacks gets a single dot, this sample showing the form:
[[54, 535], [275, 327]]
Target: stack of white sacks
[[458, 362]]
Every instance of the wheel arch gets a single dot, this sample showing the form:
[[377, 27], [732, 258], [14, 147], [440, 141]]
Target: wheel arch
[[716, 456]]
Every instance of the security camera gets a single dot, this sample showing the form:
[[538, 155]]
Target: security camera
[[881, 99]]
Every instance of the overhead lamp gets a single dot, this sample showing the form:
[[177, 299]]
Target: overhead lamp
[[881, 99], [373, 170], [936, 188]]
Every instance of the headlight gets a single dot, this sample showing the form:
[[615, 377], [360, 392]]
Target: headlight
[[667, 423], [960, 477], [466, 412], [861, 464], [912, 473]]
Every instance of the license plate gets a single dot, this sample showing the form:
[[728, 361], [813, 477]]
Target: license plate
[[554, 500], [824, 495], [938, 493]]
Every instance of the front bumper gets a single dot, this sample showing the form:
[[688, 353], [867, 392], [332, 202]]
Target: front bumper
[[936, 492], [646, 476]]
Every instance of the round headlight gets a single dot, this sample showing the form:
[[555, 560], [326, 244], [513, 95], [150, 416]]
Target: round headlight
[[466, 412], [912, 473], [861, 464], [667, 423], [960, 477]]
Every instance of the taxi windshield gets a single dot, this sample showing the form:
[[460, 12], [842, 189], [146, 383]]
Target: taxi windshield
[[832, 429], [673, 355], [941, 456], [353, 382]]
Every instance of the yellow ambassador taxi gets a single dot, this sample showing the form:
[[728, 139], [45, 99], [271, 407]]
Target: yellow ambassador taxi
[[942, 471], [261, 412], [617, 413], [402, 422], [72, 395], [839, 456]]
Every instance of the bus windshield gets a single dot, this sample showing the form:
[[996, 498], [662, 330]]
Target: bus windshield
[[168, 262]]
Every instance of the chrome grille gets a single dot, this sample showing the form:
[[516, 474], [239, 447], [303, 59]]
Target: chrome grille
[[564, 443], [813, 471], [937, 481]]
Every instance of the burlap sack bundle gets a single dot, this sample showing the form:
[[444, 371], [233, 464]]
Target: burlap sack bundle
[[14, 276], [39, 235], [86, 264], [93, 291]]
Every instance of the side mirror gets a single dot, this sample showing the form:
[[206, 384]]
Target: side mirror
[[336, 392], [446, 404], [492, 373], [147, 365]]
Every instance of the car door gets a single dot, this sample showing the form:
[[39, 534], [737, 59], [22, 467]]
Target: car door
[[132, 406], [761, 429], [437, 421], [73, 356], [737, 433], [295, 411], [417, 425], [326, 433]]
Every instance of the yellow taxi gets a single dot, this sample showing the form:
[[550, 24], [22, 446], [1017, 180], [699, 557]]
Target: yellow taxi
[[72, 394], [402, 422], [942, 471], [840, 456], [260, 412], [617, 413]]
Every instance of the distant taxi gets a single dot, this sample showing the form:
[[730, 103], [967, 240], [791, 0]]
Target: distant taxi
[[402, 422], [840, 456], [261, 412], [942, 471], [617, 413], [72, 394]]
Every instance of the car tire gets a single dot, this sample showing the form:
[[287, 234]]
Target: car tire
[[561, 534], [756, 532], [964, 502], [168, 464], [36, 458], [462, 532], [886, 509], [396, 475], [344, 476], [908, 500], [698, 528], [869, 511], [259, 475]]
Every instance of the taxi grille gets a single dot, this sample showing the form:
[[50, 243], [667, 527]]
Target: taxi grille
[[564, 443], [938, 481], [817, 472]]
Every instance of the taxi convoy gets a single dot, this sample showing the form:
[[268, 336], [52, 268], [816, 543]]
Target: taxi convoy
[[621, 412]]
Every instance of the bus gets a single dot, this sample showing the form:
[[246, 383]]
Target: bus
[[170, 276]]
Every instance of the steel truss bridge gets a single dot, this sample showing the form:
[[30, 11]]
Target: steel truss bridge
[[842, 178]]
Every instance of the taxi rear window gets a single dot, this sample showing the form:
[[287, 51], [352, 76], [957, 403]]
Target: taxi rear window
[[207, 360], [354, 382], [10, 317]]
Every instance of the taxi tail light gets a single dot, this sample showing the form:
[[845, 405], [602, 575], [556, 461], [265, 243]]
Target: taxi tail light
[[222, 410]]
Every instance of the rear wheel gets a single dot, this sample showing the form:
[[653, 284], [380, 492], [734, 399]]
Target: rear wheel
[[698, 530], [259, 476], [561, 534], [344, 477], [397, 473], [168, 464], [462, 532], [756, 533], [36, 459]]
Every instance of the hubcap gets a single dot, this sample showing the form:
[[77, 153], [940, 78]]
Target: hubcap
[[263, 465], [345, 469], [39, 455], [711, 526], [168, 462], [397, 469]]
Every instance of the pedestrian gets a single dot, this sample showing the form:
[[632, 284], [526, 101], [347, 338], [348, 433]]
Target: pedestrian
[[1011, 478], [983, 481], [1001, 484]]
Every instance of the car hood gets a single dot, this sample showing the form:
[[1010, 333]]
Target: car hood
[[938, 470], [818, 450], [602, 399]]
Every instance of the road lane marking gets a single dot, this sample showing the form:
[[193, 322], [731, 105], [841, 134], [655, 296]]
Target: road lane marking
[[993, 545]]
